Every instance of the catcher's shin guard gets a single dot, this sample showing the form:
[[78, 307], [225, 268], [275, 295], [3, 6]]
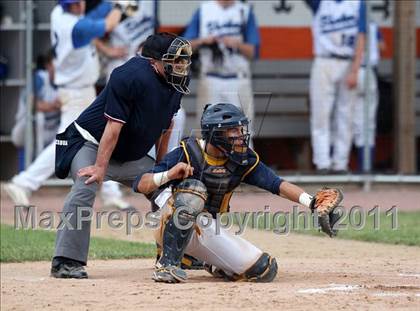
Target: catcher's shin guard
[[189, 198], [263, 270]]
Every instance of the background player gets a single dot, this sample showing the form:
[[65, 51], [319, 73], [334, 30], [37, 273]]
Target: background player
[[338, 30], [124, 42], [377, 45], [226, 34], [76, 72], [217, 164], [47, 105]]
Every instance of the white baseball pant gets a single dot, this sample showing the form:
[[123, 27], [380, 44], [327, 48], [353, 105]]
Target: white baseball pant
[[331, 99], [358, 115], [223, 250]]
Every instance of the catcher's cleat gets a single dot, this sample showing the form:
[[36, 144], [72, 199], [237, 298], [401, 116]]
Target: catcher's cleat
[[191, 263], [169, 274], [69, 270]]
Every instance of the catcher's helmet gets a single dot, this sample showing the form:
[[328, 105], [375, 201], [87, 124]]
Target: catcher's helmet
[[216, 119], [175, 52]]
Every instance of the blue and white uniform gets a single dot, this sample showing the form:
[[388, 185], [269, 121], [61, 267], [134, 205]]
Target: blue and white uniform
[[228, 80], [46, 122], [76, 71], [133, 31], [335, 29]]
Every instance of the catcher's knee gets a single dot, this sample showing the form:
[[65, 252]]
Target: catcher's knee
[[263, 270], [189, 199]]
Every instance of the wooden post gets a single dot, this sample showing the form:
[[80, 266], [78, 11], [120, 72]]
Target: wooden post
[[404, 63]]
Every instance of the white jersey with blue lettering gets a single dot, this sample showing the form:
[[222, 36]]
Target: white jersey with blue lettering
[[335, 28], [74, 68], [133, 31], [218, 21]]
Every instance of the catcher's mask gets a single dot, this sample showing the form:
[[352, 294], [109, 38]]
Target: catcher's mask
[[175, 53], [225, 126]]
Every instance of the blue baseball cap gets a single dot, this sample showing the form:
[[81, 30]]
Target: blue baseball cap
[[65, 3]]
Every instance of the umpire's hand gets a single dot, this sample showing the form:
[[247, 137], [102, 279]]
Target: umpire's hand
[[95, 173]]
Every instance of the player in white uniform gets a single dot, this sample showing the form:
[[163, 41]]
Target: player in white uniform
[[76, 71], [376, 44], [338, 30], [47, 115], [226, 34]]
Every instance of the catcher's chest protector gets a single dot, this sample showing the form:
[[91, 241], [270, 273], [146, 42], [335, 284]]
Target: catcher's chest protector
[[220, 180]]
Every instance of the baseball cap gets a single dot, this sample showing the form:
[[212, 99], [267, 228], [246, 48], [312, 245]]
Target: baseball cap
[[157, 45], [65, 3]]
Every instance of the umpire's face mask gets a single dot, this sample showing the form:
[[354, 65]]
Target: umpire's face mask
[[177, 63]]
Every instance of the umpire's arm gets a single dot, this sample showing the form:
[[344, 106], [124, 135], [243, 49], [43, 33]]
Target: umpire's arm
[[106, 147]]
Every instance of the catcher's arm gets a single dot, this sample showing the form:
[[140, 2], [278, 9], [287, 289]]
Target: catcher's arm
[[323, 202], [151, 181]]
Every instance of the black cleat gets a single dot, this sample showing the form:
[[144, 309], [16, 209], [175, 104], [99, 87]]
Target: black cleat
[[69, 269], [168, 274]]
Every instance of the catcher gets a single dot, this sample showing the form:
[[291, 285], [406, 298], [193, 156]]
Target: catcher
[[202, 175]]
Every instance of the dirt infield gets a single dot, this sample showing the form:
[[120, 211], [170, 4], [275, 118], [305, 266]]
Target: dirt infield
[[316, 273]]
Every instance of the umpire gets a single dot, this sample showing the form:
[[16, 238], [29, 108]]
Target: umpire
[[111, 138]]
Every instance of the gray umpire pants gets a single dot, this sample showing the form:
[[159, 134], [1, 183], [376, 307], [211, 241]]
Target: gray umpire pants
[[73, 237]]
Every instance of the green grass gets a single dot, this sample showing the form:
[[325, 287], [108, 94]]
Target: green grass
[[34, 245], [406, 232]]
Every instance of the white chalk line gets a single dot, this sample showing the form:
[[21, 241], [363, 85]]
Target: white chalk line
[[330, 288], [395, 294]]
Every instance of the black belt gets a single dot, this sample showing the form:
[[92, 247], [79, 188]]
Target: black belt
[[336, 56]]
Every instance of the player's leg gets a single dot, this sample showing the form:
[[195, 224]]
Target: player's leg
[[74, 102], [112, 196], [18, 133], [39, 132], [177, 224], [322, 97], [231, 256], [177, 129], [204, 97], [347, 99], [72, 241]]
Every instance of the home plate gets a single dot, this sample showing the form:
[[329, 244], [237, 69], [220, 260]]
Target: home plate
[[413, 275], [330, 288]]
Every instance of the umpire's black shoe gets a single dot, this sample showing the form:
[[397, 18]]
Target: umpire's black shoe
[[68, 269]]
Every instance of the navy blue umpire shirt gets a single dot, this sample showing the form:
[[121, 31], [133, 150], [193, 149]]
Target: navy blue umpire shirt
[[140, 99]]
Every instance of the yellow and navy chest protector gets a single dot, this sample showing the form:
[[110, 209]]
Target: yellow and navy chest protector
[[220, 176]]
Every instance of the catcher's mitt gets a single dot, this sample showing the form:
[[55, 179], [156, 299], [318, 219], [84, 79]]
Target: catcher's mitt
[[324, 202]]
